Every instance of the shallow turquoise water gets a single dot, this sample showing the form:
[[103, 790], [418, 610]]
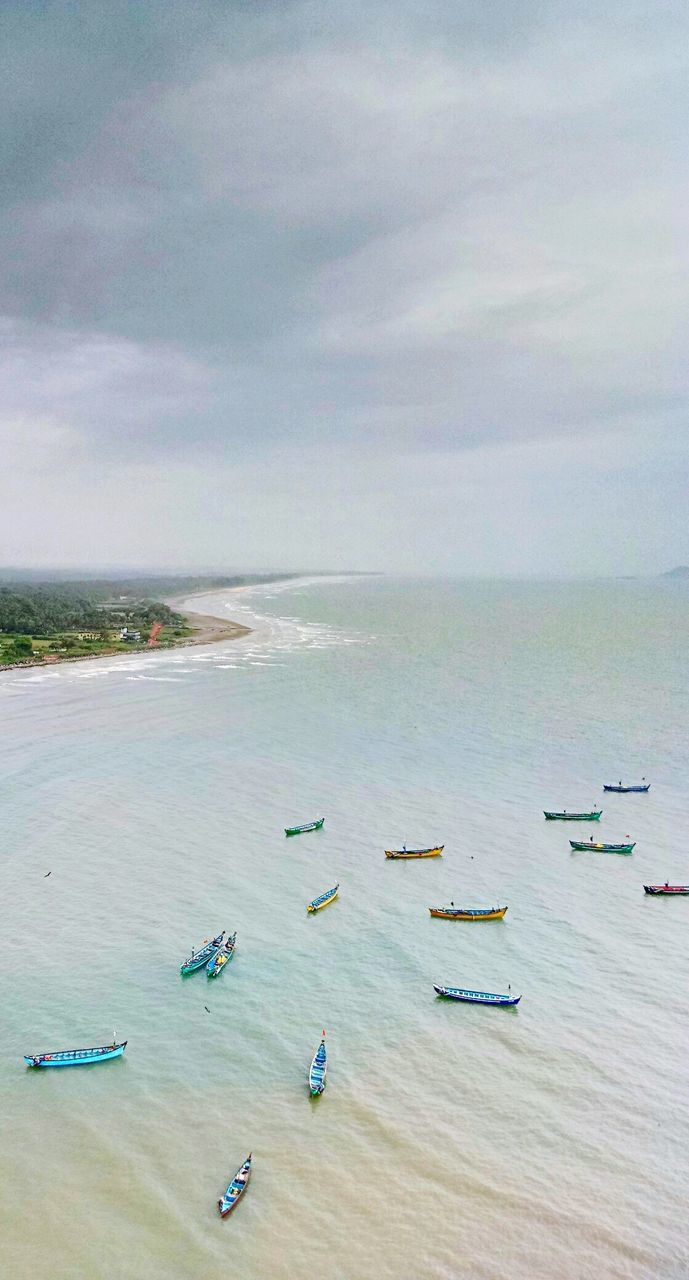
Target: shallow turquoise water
[[546, 1141]]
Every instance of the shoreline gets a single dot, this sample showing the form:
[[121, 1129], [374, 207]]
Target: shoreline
[[208, 630]]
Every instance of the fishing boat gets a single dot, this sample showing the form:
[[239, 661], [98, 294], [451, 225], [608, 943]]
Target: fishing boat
[[197, 959], [306, 826], [75, 1057], [236, 1189], [668, 889], [217, 963], [593, 816], [475, 997], [324, 899], [641, 786], [467, 913], [599, 847], [404, 852], [318, 1070]]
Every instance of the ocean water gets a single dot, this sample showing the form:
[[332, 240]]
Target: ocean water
[[546, 1142]]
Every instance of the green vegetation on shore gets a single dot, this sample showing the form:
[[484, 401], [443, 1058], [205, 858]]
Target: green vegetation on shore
[[50, 621]]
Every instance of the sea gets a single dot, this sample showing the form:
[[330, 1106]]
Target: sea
[[143, 806]]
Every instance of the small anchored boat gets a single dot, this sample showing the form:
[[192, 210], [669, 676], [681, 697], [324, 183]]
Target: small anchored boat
[[593, 816], [306, 826], [641, 786], [318, 1070], [671, 890], [466, 913], [475, 997], [75, 1057], [236, 1189], [197, 959], [324, 899], [217, 962], [404, 852], [599, 846]]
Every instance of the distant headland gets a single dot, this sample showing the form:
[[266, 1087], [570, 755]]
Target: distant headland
[[680, 571]]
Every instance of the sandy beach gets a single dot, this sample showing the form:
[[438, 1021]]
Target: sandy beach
[[206, 628]]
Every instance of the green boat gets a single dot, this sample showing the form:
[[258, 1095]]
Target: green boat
[[599, 847], [306, 826], [564, 816]]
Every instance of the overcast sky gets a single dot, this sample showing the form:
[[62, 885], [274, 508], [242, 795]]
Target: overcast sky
[[340, 285]]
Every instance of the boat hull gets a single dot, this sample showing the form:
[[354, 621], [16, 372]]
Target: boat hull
[[222, 958], [201, 957], [475, 997], [625, 790], [318, 1071], [667, 890], [597, 847], [306, 826], [75, 1057], [235, 1190], [402, 854], [572, 817], [450, 913], [324, 901]]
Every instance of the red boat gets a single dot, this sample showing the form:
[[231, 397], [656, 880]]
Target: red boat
[[667, 888]]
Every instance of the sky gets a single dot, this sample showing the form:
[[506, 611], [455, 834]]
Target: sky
[[387, 286]]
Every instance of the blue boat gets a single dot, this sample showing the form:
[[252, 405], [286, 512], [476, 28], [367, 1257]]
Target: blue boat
[[236, 1189], [475, 997], [318, 1070], [197, 959], [217, 963], [75, 1057], [642, 786]]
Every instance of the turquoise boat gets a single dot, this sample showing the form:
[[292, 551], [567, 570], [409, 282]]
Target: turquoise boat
[[318, 1070], [475, 997], [75, 1057], [199, 958]]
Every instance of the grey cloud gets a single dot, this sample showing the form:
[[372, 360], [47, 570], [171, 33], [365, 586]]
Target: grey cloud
[[235, 230]]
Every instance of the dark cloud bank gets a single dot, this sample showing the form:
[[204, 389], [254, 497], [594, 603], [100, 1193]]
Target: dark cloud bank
[[394, 286]]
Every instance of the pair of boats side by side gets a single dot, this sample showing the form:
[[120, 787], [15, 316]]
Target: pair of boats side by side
[[214, 955]]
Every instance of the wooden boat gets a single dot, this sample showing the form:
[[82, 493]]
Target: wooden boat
[[217, 962], [668, 889], [593, 816], [599, 847], [236, 1189], [435, 852], [466, 913], [197, 959], [324, 899], [475, 997], [318, 1070], [642, 786], [75, 1057], [306, 826]]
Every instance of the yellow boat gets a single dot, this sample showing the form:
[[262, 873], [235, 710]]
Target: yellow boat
[[404, 852], [318, 903], [464, 913]]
